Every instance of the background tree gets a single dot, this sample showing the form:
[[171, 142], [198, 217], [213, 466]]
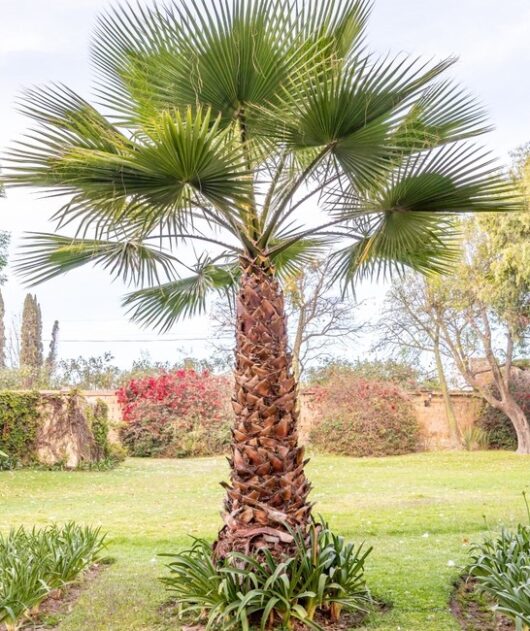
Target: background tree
[[321, 318], [228, 121], [31, 351], [51, 359], [92, 373], [4, 243], [485, 313], [410, 327], [484, 307], [3, 341], [403, 374]]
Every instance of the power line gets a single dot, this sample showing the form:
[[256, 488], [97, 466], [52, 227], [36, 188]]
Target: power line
[[113, 341]]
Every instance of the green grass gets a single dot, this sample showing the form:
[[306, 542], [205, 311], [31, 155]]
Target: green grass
[[419, 512]]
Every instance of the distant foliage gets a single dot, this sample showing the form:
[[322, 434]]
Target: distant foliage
[[390, 370], [176, 414], [361, 417], [497, 426], [19, 421]]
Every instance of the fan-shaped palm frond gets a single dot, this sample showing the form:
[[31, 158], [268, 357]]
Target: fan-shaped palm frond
[[161, 306], [443, 113], [75, 151], [50, 255], [393, 241], [351, 113], [224, 56], [228, 113]]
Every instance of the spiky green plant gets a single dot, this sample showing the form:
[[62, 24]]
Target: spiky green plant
[[325, 573], [37, 561], [262, 132]]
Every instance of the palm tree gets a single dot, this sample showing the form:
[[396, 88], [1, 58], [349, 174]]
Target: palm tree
[[265, 133]]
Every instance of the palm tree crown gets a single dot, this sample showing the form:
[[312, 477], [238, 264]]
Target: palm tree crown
[[224, 123]]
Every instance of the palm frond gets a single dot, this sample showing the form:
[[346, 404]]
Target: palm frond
[[456, 178], [392, 242], [224, 55], [351, 111], [75, 151], [292, 255], [161, 306], [49, 255], [443, 113]]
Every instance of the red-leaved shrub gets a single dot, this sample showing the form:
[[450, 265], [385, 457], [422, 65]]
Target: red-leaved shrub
[[361, 417], [176, 414]]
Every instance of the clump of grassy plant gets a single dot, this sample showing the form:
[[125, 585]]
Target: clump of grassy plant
[[35, 562], [501, 567], [324, 575]]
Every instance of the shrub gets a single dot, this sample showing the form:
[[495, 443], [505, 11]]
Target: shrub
[[325, 575], [364, 418], [177, 414], [33, 563], [501, 567], [498, 427], [19, 422]]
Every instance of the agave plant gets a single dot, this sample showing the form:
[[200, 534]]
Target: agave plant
[[262, 133]]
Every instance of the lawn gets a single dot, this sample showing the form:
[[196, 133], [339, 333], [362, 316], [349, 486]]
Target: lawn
[[419, 512]]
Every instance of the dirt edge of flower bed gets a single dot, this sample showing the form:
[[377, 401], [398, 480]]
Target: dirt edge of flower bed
[[60, 602], [474, 611]]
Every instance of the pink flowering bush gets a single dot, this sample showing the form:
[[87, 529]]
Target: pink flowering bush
[[176, 414]]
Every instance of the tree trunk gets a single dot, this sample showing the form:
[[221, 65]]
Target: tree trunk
[[268, 490], [520, 423], [454, 430]]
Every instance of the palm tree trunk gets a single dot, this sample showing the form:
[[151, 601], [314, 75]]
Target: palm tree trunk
[[268, 490]]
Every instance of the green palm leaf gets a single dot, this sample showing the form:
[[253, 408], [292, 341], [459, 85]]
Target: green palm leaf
[[150, 178], [350, 113], [49, 255], [161, 306], [224, 56]]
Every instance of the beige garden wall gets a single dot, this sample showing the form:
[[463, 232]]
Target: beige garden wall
[[430, 412], [428, 406]]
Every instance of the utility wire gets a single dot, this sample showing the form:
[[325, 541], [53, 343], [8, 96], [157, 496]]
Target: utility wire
[[112, 341]]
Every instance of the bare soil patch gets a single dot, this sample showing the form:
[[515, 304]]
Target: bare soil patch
[[60, 602], [474, 610]]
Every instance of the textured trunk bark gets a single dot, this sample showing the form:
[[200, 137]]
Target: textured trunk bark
[[521, 426], [268, 490]]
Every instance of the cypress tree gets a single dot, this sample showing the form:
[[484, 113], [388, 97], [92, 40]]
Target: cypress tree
[[54, 343], [2, 334], [31, 354]]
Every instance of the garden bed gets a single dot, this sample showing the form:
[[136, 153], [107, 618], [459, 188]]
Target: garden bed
[[60, 602], [474, 610]]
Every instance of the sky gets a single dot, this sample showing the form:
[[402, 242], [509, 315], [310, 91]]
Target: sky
[[48, 40]]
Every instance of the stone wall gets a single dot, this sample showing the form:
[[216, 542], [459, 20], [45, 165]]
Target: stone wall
[[429, 409], [64, 429], [430, 412], [64, 434]]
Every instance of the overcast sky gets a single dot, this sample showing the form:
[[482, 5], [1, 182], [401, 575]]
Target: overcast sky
[[48, 40]]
